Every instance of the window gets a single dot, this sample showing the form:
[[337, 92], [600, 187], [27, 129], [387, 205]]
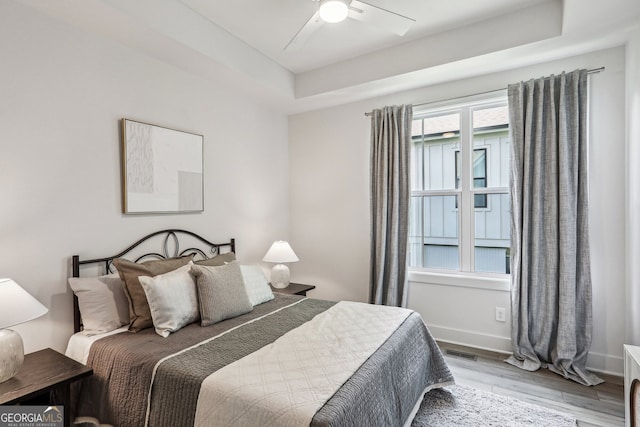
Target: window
[[479, 175], [460, 217]]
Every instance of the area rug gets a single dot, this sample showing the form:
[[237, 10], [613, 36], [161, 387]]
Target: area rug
[[460, 406]]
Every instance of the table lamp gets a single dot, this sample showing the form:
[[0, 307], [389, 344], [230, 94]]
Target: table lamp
[[279, 253], [16, 306]]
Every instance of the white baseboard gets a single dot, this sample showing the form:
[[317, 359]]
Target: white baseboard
[[471, 339], [603, 363]]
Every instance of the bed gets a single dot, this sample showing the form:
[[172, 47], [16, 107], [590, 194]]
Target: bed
[[286, 361]]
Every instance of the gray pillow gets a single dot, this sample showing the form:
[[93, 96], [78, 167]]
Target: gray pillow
[[217, 260], [221, 292], [129, 271]]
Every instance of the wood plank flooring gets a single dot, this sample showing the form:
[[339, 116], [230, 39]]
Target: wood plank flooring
[[601, 405]]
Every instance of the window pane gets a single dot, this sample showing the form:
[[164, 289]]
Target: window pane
[[415, 231], [417, 156], [491, 147], [480, 201], [441, 241], [479, 167], [441, 147], [480, 176], [440, 136], [458, 169], [493, 234]]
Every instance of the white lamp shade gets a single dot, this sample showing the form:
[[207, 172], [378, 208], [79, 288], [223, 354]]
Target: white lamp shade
[[333, 10], [17, 305], [280, 252]]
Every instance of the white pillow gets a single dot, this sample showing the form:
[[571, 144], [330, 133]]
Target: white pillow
[[103, 304], [172, 298], [256, 284]]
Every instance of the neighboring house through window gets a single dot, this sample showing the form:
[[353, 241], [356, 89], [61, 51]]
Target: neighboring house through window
[[479, 175], [460, 218]]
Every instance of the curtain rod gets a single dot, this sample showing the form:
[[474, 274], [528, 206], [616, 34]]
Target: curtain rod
[[592, 71]]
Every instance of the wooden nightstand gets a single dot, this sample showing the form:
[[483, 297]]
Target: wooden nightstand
[[294, 289], [46, 375]]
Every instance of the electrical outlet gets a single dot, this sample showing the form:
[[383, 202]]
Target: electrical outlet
[[501, 314]]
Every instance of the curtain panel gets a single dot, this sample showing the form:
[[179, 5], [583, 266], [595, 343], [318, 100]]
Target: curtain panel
[[390, 196], [550, 266]]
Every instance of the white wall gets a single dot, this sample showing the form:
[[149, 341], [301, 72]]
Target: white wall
[[329, 167], [632, 325], [606, 214], [329, 195], [63, 92]]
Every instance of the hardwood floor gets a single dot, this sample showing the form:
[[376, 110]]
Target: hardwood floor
[[601, 405]]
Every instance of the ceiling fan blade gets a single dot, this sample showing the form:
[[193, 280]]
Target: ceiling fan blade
[[304, 33], [374, 15]]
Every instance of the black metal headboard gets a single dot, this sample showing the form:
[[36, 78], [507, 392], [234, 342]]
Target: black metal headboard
[[169, 247]]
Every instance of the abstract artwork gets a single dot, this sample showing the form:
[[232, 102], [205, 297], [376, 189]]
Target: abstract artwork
[[162, 169]]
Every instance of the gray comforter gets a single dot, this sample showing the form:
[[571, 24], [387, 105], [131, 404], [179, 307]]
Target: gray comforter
[[143, 377]]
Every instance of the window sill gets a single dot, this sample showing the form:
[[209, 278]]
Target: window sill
[[494, 282]]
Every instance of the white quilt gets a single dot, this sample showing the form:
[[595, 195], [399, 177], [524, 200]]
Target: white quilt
[[287, 382]]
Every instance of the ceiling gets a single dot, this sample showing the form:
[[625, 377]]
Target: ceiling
[[268, 25], [450, 39]]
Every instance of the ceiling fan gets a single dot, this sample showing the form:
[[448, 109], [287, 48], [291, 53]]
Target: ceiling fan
[[337, 10]]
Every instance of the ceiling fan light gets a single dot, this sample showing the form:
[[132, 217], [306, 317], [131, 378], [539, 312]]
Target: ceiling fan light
[[333, 10]]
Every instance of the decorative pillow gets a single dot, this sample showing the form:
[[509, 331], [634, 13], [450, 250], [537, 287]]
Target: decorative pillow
[[102, 301], [256, 284], [221, 292], [129, 271], [218, 260], [172, 298]]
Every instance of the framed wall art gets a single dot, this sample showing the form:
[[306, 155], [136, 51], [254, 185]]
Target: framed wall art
[[162, 169]]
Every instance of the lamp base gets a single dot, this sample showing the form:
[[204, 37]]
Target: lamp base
[[280, 276], [11, 354]]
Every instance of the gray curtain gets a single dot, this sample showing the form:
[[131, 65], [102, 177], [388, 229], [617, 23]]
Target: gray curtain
[[550, 267], [390, 195]]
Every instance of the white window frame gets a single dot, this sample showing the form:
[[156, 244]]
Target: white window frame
[[465, 276]]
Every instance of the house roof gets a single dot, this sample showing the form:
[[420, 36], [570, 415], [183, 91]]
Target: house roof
[[450, 122]]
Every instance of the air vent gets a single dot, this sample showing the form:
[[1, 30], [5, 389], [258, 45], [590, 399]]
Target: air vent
[[469, 356]]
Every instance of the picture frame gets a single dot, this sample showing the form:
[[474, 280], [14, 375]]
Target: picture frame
[[162, 169]]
